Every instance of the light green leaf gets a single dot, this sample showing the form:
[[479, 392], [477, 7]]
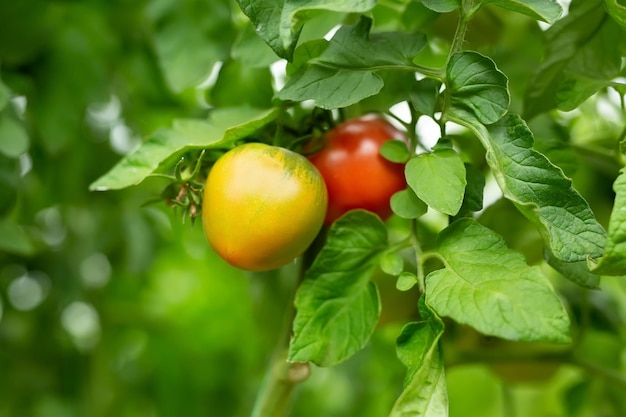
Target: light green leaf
[[14, 139], [337, 306], [425, 391], [330, 79], [613, 262], [490, 287], [442, 6], [577, 272], [539, 189], [279, 22], [476, 85], [392, 263], [438, 179], [406, 280], [395, 151], [223, 127], [617, 11], [546, 10], [407, 205]]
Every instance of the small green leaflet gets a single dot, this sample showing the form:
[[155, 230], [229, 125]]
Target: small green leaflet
[[345, 71], [546, 10], [613, 262], [442, 6], [539, 189], [279, 22], [425, 392], [223, 127], [438, 179], [337, 306], [490, 287], [476, 85]]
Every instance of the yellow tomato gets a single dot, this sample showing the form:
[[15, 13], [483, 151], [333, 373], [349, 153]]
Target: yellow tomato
[[262, 206]]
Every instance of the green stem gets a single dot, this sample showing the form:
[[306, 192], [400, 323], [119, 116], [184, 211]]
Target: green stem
[[282, 377]]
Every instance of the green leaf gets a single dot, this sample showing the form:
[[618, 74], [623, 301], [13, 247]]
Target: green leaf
[[613, 262], [490, 287], [241, 85], [442, 6], [14, 139], [407, 205], [424, 95], [438, 179], [617, 11], [577, 272], [406, 281], [330, 79], [476, 85], [539, 189], [279, 22], [337, 305], [582, 55], [5, 94], [392, 263], [473, 197], [223, 127], [190, 39], [546, 10], [14, 239], [417, 347], [395, 151], [250, 50]]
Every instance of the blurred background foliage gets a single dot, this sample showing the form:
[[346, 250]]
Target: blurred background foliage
[[113, 307]]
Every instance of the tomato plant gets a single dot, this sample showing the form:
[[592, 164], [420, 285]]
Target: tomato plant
[[493, 287], [356, 174], [262, 206]]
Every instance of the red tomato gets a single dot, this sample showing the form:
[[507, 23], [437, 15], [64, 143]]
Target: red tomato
[[356, 175]]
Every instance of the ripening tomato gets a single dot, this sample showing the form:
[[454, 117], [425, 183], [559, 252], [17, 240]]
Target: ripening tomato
[[262, 206], [356, 175]]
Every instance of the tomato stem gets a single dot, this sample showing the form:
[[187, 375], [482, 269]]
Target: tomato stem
[[282, 377]]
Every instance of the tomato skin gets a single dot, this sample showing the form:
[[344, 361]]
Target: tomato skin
[[356, 175], [262, 206]]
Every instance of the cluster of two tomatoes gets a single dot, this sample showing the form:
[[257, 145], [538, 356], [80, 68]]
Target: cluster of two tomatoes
[[264, 205]]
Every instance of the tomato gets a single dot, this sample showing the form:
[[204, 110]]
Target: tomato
[[356, 175], [262, 206]]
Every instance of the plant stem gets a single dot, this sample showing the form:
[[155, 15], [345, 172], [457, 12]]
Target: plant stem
[[282, 377]]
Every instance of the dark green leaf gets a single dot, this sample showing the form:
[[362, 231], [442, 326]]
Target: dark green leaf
[[222, 129], [546, 10], [490, 287], [407, 205], [425, 391], [577, 272], [539, 189], [424, 96], [582, 55], [242, 85], [438, 179], [279, 22], [613, 262], [14, 239], [473, 197], [250, 50], [337, 305], [5, 94], [476, 85], [330, 79], [194, 36]]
